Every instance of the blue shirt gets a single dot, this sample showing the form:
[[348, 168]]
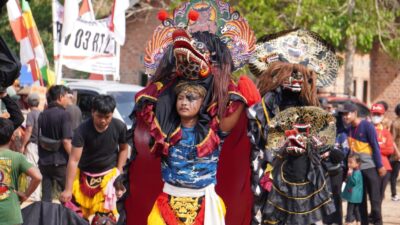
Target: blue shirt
[[363, 140], [183, 167]]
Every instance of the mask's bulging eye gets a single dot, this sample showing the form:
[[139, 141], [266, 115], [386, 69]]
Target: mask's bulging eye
[[297, 75], [201, 47]]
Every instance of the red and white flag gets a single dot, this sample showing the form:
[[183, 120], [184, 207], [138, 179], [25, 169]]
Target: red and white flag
[[32, 51]]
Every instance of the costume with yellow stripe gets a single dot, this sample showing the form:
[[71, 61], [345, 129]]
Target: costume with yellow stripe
[[363, 140], [90, 192]]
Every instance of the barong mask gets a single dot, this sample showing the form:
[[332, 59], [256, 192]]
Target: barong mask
[[192, 57], [294, 82], [297, 139], [298, 129], [296, 46], [215, 18]]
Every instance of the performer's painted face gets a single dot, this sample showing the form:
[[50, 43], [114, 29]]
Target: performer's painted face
[[101, 120], [294, 82], [192, 57], [188, 104]]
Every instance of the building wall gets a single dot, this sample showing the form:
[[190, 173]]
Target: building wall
[[139, 29], [361, 74], [385, 79]]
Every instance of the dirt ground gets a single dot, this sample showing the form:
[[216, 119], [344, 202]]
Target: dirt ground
[[390, 209]]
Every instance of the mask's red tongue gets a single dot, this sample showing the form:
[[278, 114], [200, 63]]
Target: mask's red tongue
[[179, 33]]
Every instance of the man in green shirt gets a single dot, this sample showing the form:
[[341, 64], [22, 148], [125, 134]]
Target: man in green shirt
[[12, 165]]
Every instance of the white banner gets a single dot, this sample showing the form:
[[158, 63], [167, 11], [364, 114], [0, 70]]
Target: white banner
[[90, 47]]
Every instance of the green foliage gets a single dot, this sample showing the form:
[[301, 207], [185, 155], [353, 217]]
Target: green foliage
[[369, 21]]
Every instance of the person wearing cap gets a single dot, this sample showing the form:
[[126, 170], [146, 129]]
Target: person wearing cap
[[385, 141], [30, 141], [363, 140], [386, 122]]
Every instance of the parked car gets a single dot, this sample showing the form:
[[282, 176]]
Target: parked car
[[338, 102], [124, 95]]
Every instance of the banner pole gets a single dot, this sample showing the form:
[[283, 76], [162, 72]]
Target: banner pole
[[116, 74]]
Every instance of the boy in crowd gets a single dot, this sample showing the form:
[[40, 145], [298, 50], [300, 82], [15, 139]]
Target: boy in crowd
[[12, 165]]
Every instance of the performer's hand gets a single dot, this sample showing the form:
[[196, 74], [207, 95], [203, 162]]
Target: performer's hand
[[65, 196], [325, 155], [382, 171]]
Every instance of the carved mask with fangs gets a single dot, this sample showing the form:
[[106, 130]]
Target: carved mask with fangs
[[192, 57], [294, 82]]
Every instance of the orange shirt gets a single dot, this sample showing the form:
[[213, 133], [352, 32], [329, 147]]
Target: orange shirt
[[385, 141]]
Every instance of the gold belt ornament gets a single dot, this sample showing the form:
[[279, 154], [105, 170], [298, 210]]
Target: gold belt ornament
[[94, 182], [186, 208]]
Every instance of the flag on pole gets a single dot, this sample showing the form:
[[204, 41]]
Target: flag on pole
[[32, 52], [117, 23]]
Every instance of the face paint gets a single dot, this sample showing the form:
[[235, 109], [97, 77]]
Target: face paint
[[192, 97], [188, 105]]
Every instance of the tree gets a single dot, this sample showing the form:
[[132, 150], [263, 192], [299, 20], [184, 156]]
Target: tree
[[350, 25]]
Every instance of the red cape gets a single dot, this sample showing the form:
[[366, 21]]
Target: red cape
[[233, 177]]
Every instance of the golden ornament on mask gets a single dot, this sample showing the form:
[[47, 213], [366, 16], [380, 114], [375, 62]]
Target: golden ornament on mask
[[204, 72]]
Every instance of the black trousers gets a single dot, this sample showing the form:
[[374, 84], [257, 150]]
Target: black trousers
[[393, 176], [385, 180], [372, 188], [353, 212], [52, 173], [336, 189]]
